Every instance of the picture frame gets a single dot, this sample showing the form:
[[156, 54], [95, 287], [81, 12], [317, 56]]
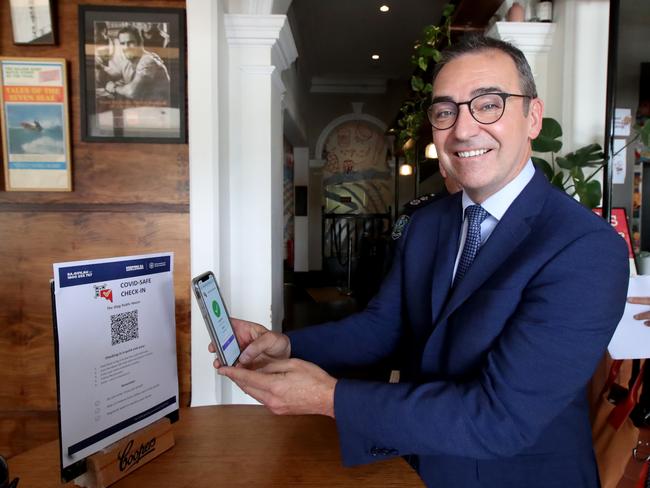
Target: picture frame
[[35, 124], [132, 71], [32, 22]]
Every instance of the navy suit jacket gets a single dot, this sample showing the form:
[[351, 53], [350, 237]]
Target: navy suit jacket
[[493, 393]]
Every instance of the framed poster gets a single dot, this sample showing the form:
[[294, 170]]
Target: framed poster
[[34, 121], [132, 74], [31, 21]]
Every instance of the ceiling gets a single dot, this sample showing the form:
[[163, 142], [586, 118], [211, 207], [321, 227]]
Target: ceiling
[[336, 38]]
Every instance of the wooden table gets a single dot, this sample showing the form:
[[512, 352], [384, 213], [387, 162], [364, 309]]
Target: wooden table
[[233, 446]]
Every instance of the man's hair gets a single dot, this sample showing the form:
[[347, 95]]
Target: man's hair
[[129, 29], [477, 43]]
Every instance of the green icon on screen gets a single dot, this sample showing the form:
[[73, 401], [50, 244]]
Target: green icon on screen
[[216, 309]]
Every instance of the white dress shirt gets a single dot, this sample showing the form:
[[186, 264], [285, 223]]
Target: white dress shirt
[[496, 206]]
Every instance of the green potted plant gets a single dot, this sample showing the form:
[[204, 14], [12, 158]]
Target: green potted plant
[[568, 172], [574, 172], [426, 53]]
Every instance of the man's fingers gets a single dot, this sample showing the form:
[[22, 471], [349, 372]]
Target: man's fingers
[[246, 378], [639, 300], [211, 347], [278, 366], [642, 316], [256, 348]]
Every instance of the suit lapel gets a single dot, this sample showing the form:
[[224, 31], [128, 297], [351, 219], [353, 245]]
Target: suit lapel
[[447, 247], [511, 230]]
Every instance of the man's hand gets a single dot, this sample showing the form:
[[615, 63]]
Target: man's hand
[[645, 316], [259, 345], [287, 387]]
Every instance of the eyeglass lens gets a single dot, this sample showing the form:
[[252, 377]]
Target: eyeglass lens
[[486, 109]]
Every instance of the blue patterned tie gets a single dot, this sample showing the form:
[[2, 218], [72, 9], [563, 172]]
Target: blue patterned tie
[[475, 215]]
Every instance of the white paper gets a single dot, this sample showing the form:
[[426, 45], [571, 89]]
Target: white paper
[[622, 122], [632, 338], [117, 349], [620, 161]]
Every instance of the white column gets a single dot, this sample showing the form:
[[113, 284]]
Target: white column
[[260, 48], [205, 27], [235, 127], [301, 223], [570, 66], [580, 72]]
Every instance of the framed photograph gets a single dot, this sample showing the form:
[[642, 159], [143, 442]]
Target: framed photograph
[[34, 122], [31, 21], [132, 74]]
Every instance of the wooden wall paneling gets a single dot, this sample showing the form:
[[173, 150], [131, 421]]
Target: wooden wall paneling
[[26, 339], [126, 199]]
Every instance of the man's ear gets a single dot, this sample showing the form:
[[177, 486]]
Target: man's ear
[[535, 115], [443, 171]]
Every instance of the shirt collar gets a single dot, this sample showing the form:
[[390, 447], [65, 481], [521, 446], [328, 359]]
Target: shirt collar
[[497, 204]]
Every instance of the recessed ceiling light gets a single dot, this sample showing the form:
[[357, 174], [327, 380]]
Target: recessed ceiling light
[[375, 57], [384, 8]]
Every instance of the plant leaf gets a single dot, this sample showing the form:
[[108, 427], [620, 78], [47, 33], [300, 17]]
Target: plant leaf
[[544, 166], [551, 128], [448, 10], [590, 194], [422, 63], [645, 133], [416, 83], [558, 180], [547, 140], [425, 51], [590, 155], [437, 56], [565, 162], [577, 174]]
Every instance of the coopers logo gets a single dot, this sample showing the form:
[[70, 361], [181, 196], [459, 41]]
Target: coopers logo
[[135, 267], [130, 459]]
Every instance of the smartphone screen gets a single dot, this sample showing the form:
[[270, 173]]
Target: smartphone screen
[[217, 317]]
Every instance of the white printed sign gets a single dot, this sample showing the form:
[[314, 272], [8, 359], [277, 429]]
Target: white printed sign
[[116, 339]]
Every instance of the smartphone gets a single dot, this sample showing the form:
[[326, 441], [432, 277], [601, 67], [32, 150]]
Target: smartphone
[[216, 318]]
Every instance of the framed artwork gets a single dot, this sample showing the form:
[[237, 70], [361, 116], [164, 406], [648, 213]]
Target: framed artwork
[[35, 127], [31, 21], [132, 74]]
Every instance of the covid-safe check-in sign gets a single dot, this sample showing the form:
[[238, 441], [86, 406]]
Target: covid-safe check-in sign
[[116, 344]]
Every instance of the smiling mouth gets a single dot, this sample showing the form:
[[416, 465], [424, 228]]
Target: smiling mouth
[[473, 153]]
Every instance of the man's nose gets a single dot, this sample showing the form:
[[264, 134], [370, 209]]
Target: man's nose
[[466, 125]]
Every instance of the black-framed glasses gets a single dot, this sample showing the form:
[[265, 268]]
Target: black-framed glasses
[[486, 109]]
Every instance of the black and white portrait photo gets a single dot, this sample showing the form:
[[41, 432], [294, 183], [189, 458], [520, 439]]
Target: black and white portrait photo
[[132, 74]]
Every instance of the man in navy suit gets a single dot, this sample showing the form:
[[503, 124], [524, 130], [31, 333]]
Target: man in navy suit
[[505, 295]]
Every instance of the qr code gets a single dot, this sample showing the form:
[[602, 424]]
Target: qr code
[[124, 327]]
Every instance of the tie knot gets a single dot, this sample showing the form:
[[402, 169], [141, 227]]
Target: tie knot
[[475, 214]]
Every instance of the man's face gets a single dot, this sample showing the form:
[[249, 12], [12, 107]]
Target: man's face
[[504, 146], [130, 46]]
